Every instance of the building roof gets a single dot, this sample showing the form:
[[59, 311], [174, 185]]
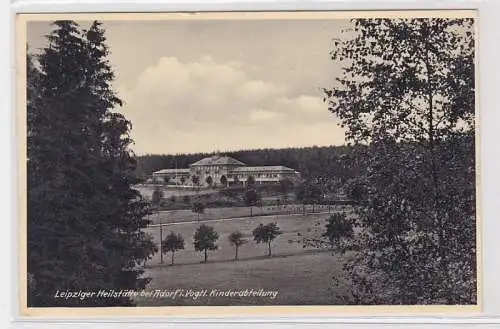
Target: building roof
[[217, 160], [172, 171], [262, 168]]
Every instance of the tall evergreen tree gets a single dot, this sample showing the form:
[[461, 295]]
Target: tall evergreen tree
[[84, 219]]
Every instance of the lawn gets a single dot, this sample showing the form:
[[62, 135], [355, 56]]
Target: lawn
[[300, 279], [300, 275], [184, 215], [290, 225]]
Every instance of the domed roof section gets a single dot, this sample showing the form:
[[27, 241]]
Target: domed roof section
[[218, 160]]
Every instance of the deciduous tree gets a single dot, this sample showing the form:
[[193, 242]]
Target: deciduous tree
[[266, 234], [157, 196], [223, 181], [205, 239], [338, 228], [250, 181], [198, 208], [308, 193], [407, 90], [285, 186], [172, 243], [251, 198], [237, 240]]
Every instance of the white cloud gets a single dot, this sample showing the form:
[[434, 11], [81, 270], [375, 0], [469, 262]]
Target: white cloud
[[310, 104], [257, 89], [204, 105], [260, 115]]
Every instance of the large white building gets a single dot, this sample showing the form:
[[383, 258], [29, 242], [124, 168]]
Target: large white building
[[223, 170]]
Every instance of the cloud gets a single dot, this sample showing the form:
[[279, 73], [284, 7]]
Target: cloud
[[204, 105], [259, 115], [254, 90]]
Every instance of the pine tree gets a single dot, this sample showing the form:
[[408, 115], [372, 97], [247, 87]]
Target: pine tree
[[84, 219]]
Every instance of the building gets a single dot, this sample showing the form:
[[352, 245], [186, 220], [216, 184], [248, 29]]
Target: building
[[223, 170]]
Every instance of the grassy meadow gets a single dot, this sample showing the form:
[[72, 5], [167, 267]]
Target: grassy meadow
[[301, 274]]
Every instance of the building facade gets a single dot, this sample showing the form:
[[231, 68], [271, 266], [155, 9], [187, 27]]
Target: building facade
[[223, 171]]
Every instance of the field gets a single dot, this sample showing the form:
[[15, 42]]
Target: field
[[301, 279], [184, 215], [300, 275]]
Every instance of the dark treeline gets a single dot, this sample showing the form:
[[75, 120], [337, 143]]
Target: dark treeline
[[311, 162]]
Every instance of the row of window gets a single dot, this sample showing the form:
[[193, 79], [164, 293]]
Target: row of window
[[259, 176], [245, 175]]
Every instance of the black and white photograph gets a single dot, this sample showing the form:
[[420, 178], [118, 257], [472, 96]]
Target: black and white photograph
[[249, 159]]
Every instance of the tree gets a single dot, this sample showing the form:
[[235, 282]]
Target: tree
[[312, 162], [251, 198], [236, 239], [266, 234], [308, 193], [285, 185], [183, 180], [250, 181], [236, 180], [407, 91], [84, 218], [172, 243], [205, 238], [198, 208], [223, 180], [157, 196], [196, 181], [357, 190], [338, 228], [315, 195], [166, 180], [149, 244], [209, 180]]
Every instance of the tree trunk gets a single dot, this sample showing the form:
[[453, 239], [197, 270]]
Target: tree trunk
[[205, 255], [251, 211], [161, 244], [304, 208], [236, 255], [173, 257], [432, 145], [269, 249]]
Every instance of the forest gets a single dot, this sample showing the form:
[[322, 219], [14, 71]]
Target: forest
[[311, 162]]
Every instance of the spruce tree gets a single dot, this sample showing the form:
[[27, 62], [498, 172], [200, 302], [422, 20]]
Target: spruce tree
[[84, 218]]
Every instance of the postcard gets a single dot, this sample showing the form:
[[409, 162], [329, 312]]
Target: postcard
[[248, 163]]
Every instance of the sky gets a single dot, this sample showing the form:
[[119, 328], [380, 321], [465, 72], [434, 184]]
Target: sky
[[220, 85]]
